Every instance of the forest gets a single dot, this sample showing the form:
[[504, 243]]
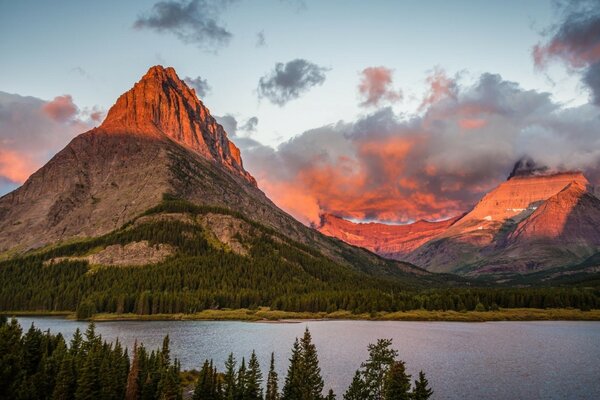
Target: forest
[[42, 365], [276, 273]]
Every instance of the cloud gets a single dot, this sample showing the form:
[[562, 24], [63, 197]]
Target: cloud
[[232, 127], [576, 42], [200, 85], [433, 164], [376, 87], [250, 124], [260, 39], [61, 109], [195, 21], [288, 81], [440, 87], [32, 131]]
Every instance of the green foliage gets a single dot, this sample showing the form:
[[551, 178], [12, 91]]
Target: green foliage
[[272, 392], [397, 383], [422, 391], [303, 380]]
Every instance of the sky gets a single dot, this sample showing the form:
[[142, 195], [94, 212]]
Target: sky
[[382, 110]]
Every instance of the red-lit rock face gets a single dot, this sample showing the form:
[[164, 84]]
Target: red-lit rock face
[[393, 241], [527, 223], [161, 104]]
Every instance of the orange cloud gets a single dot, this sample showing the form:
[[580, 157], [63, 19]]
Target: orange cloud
[[469, 124], [14, 166], [440, 87]]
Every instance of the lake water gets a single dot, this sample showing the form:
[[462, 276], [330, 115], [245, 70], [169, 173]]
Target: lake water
[[494, 360]]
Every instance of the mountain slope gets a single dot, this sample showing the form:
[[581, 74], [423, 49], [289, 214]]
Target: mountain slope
[[157, 140], [390, 241], [533, 221]]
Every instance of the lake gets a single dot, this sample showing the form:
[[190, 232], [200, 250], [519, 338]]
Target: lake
[[492, 360]]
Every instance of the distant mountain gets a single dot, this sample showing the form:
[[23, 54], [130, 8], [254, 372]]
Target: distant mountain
[[533, 221], [158, 142]]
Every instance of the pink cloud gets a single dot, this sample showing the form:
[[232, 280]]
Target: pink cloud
[[472, 123], [376, 86], [61, 109], [440, 87]]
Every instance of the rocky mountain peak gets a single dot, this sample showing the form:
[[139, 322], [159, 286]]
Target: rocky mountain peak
[[162, 105]]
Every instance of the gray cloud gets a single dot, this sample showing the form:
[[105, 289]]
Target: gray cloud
[[576, 42], [200, 85], [260, 39], [229, 123], [194, 21], [288, 81], [429, 165], [232, 127], [250, 124]]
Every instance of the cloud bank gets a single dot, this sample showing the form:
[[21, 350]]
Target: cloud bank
[[434, 164], [576, 42], [288, 81]]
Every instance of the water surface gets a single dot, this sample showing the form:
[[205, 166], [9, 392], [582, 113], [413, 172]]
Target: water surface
[[492, 360]]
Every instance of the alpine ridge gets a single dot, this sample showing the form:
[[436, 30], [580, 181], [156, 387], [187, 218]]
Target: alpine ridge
[[535, 220]]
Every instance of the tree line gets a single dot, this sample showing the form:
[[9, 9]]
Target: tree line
[[41, 365]]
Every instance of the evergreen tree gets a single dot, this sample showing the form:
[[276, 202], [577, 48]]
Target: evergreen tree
[[240, 386], [253, 379], [229, 379], [397, 382], [357, 389], [381, 358], [66, 380], [133, 378], [310, 370], [88, 384], [330, 395], [292, 388], [206, 388], [422, 391], [272, 384]]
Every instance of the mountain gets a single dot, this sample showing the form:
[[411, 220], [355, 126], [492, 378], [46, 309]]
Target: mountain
[[158, 143], [533, 221], [391, 241]]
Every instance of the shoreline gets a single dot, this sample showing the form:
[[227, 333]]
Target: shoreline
[[265, 315]]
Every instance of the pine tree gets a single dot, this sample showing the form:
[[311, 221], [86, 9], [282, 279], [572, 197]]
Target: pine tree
[[381, 358], [422, 391], [310, 370], [253, 379], [272, 384], [133, 378], [357, 389], [65, 380], [397, 382], [206, 388], [240, 386], [229, 379], [330, 395], [292, 388]]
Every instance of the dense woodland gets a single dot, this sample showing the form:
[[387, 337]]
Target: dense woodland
[[41, 365], [276, 273]]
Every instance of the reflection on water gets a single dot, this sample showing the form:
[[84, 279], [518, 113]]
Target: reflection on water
[[494, 360]]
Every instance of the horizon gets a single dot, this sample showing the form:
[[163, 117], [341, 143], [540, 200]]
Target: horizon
[[378, 138]]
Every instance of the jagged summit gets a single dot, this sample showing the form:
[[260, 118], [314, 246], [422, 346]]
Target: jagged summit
[[161, 104]]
